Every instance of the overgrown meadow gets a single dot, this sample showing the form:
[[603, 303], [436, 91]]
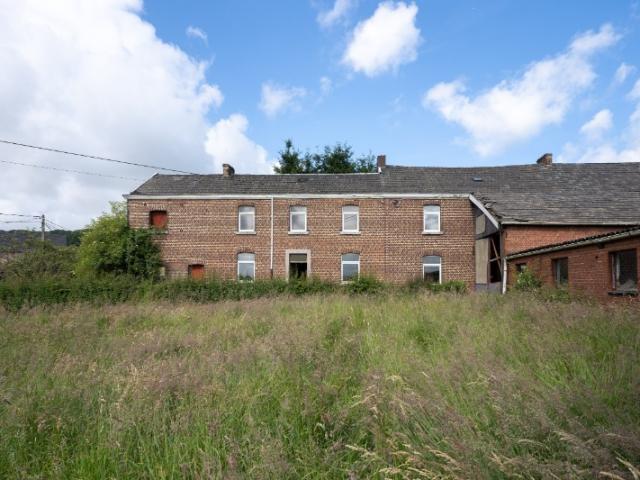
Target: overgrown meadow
[[330, 385]]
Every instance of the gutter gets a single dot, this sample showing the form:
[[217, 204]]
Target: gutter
[[577, 243], [271, 243], [294, 195]]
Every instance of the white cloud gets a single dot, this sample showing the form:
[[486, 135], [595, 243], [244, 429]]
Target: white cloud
[[634, 94], [623, 72], [384, 41], [227, 142], [326, 85], [94, 77], [195, 32], [330, 17], [626, 148], [276, 99], [519, 108], [600, 123]]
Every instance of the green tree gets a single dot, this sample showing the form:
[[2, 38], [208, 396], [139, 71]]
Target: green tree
[[291, 161], [338, 158], [110, 246]]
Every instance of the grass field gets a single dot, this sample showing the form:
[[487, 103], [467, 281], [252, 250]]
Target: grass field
[[325, 386]]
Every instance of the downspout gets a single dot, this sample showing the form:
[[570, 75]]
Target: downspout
[[271, 243], [504, 262]]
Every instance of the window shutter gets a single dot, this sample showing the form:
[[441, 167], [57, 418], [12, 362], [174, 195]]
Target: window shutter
[[158, 219]]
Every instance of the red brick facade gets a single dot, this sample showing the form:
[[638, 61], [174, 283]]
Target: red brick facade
[[390, 243], [590, 267], [524, 237]]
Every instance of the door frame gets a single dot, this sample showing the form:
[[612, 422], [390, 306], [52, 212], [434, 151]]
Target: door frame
[[294, 251]]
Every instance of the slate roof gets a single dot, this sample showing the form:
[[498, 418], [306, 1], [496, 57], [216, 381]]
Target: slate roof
[[587, 193]]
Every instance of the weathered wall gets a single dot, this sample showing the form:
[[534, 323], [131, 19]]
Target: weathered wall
[[523, 237], [391, 243], [589, 267]]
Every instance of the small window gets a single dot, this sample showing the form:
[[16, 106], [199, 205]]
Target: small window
[[196, 271], [246, 266], [246, 219], [521, 267], [432, 269], [350, 266], [298, 219], [432, 219], [158, 219], [624, 268], [350, 219], [561, 271]]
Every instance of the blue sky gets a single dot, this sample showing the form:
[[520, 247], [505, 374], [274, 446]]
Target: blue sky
[[192, 85], [484, 43]]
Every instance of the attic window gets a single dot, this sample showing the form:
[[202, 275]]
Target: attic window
[[158, 219]]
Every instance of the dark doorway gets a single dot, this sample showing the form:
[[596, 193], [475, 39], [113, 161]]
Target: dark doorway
[[298, 266]]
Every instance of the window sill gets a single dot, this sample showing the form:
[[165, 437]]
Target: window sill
[[440, 232], [298, 232], [624, 293], [346, 232], [246, 233]]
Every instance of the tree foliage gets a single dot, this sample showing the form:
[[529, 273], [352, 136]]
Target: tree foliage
[[338, 158], [110, 246]]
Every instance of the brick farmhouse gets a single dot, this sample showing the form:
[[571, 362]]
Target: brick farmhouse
[[400, 223]]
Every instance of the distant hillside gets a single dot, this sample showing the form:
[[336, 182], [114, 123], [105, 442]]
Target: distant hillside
[[18, 241]]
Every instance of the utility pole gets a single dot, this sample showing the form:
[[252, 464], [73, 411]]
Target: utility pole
[[42, 227]]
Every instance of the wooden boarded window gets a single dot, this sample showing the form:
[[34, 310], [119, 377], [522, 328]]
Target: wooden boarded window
[[158, 219], [196, 271]]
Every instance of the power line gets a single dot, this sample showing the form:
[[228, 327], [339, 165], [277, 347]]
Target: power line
[[18, 221], [19, 215], [70, 171], [94, 157], [55, 225]]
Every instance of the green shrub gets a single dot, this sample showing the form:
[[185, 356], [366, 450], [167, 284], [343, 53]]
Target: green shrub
[[40, 260], [526, 281], [51, 290], [109, 246], [364, 284]]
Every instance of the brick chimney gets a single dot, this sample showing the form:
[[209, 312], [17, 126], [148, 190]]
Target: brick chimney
[[381, 162], [546, 159], [227, 170]]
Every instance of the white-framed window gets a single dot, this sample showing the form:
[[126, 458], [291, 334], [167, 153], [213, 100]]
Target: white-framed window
[[432, 269], [246, 219], [350, 219], [298, 219], [431, 219], [350, 266], [246, 266]]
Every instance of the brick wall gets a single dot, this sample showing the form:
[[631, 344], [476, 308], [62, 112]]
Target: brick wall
[[391, 244], [523, 237], [589, 267]]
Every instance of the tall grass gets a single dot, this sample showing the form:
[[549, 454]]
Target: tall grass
[[323, 386]]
